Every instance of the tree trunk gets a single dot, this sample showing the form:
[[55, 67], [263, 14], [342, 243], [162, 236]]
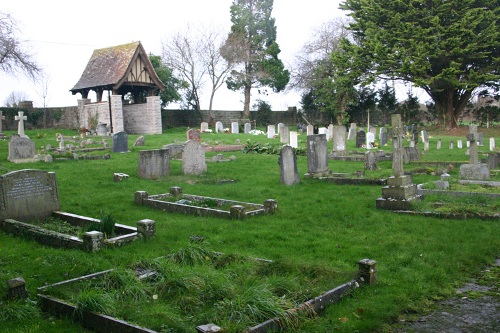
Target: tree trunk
[[246, 105]]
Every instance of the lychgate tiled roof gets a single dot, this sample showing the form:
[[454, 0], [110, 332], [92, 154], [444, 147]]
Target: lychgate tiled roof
[[108, 68]]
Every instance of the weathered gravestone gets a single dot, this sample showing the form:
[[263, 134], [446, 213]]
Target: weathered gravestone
[[284, 135], [247, 128], [120, 142], [360, 138], [474, 170], [370, 140], [288, 166], [204, 126], [425, 136], [139, 142], [2, 118], [330, 132], [28, 195], [193, 158], [492, 144], [371, 158], [410, 154], [294, 139], [352, 132], [154, 164], [235, 127], [439, 144], [317, 154], [382, 136], [310, 129], [193, 134], [102, 130], [21, 149], [339, 142], [271, 131], [279, 128]]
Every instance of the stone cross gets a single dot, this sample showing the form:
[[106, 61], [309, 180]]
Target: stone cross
[[20, 127], [472, 139], [2, 117], [397, 152]]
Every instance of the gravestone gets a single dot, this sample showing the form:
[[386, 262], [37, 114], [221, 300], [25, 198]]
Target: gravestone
[[174, 150], [120, 142], [371, 158], [492, 144], [247, 128], [480, 140], [474, 170], [383, 136], [193, 134], [2, 118], [451, 144], [410, 154], [20, 125], [21, 149], [426, 145], [352, 132], [280, 127], [102, 130], [193, 158], [139, 142], [459, 144], [425, 136], [310, 129], [28, 195], [439, 143], [294, 141], [219, 127], [412, 143], [443, 183], [373, 130], [235, 127], [288, 166], [414, 133], [360, 138], [317, 154], [204, 126], [154, 164], [285, 135], [330, 132], [397, 125], [370, 140], [271, 131], [494, 161], [339, 142]]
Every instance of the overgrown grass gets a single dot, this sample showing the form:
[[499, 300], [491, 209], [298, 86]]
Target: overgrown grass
[[320, 230]]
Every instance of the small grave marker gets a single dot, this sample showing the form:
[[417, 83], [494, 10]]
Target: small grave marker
[[120, 142], [21, 149], [288, 166]]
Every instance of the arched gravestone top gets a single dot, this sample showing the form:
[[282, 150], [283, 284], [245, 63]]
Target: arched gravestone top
[[28, 195]]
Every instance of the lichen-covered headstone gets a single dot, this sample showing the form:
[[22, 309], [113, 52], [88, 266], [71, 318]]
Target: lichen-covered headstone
[[20, 148], [154, 164], [288, 166]]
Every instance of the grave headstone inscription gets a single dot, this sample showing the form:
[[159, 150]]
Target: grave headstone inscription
[[21, 149], [193, 158], [120, 142], [154, 164], [28, 195], [288, 166]]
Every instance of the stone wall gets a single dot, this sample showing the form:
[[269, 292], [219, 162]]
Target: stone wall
[[38, 118]]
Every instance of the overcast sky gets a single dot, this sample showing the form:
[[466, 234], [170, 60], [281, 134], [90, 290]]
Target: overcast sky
[[62, 35]]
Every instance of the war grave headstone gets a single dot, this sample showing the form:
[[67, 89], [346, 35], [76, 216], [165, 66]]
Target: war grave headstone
[[317, 155], [28, 194], [339, 139], [2, 118], [459, 144], [285, 134], [247, 128], [21, 149], [271, 131], [294, 139], [154, 164], [439, 144], [288, 166], [279, 128], [414, 133], [204, 127], [120, 142], [492, 144], [474, 170], [219, 127], [370, 140], [235, 127], [193, 134], [360, 138], [310, 129], [330, 132], [400, 191], [20, 125], [451, 145], [382, 136], [193, 158], [352, 132]]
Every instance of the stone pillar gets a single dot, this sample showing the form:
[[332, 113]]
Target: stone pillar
[[93, 241], [82, 115], [237, 212], [270, 206], [17, 289], [154, 114], [368, 271], [140, 197], [147, 228], [117, 113]]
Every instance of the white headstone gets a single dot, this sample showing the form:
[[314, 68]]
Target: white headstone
[[204, 126], [310, 129], [294, 139], [370, 140], [271, 131], [219, 127], [247, 128], [280, 127], [459, 144], [20, 126], [235, 127], [492, 144], [284, 135], [352, 132], [330, 132]]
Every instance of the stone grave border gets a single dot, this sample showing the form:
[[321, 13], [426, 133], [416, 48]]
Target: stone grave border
[[92, 241], [237, 209], [366, 275]]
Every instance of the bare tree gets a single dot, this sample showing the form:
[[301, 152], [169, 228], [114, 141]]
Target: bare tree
[[14, 58], [12, 101], [182, 53], [316, 51]]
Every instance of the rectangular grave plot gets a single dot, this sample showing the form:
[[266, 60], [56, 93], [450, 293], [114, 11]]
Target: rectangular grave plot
[[200, 205]]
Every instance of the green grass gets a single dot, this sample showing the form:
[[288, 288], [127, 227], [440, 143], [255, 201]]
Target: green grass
[[315, 239]]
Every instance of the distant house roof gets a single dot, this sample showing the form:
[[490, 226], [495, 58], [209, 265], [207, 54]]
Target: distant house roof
[[119, 68]]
